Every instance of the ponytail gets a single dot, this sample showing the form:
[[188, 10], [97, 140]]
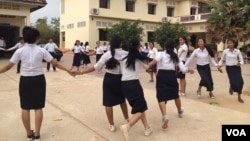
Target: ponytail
[[114, 43], [169, 46], [210, 51]]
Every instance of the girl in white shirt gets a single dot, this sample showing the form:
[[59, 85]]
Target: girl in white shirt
[[233, 58], [145, 49], [77, 55], [17, 46], [204, 55], [32, 85], [182, 54], [86, 59], [132, 89], [166, 82], [151, 54], [112, 92]]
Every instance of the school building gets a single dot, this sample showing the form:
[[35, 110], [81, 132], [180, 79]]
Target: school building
[[87, 20], [14, 15]]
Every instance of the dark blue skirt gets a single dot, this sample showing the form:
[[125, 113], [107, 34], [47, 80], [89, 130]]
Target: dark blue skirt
[[180, 74], [154, 67], [77, 60], [134, 93], [235, 78], [167, 86], [98, 56], [112, 90], [32, 92], [206, 77]]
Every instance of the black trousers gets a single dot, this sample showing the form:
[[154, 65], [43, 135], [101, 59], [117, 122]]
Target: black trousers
[[48, 64]]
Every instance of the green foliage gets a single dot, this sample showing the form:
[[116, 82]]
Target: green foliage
[[48, 30], [229, 19], [169, 31], [127, 30]]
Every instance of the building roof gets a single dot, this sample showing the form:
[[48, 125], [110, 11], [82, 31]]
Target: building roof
[[36, 3]]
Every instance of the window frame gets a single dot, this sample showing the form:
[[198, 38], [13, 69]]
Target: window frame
[[104, 4], [151, 7]]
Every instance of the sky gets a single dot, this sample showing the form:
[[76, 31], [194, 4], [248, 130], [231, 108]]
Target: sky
[[51, 10]]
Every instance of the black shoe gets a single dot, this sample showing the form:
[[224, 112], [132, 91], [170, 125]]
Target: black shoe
[[36, 138], [231, 91], [241, 100], [30, 137]]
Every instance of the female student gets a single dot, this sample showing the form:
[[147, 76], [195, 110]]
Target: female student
[[112, 92], [17, 46], [32, 85], [132, 89], [233, 59], [151, 54], [77, 55], [182, 54], [86, 59], [166, 82], [204, 55]]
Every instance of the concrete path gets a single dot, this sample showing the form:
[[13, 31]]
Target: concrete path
[[74, 110]]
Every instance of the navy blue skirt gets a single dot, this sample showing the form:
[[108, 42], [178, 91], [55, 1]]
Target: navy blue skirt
[[180, 74], [112, 90], [134, 93], [98, 56], [235, 78], [32, 92], [167, 86], [77, 60], [206, 77], [154, 67]]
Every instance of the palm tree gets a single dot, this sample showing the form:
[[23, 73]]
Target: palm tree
[[229, 19]]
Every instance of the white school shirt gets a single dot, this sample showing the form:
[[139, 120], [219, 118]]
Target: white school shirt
[[203, 57], [183, 56], [99, 50], [119, 53], [2, 43], [50, 47], [231, 57], [76, 49], [104, 48], [31, 56], [87, 49], [164, 62], [145, 49], [82, 48], [17, 46], [152, 52], [129, 74]]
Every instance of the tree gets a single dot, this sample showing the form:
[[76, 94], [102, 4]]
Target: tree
[[169, 31], [48, 30], [229, 19], [127, 30]]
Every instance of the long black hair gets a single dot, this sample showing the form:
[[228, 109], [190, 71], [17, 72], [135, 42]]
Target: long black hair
[[114, 43], [186, 42], [209, 50], [133, 54], [169, 47]]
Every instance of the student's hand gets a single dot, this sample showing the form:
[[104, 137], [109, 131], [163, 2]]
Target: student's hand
[[238, 64], [219, 69], [71, 73], [191, 71]]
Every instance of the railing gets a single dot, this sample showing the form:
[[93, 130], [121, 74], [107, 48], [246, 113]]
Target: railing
[[190, 18]]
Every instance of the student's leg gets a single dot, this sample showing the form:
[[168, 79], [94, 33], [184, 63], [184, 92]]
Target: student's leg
[[183, 85], [48, 66], [109, 113], [148, 129], [178, 104], [38, 121], [163, 109], [151, 77], [26, 121], [124, 109], [18, 67], [240, 99]]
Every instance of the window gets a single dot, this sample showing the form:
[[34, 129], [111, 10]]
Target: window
[[102, 35], [170, 11], [192, 11], [62, 6], [130, 6], [81, 24], [150, 36], [70, 26], [151, 9], [104, 4], [203, 8]]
